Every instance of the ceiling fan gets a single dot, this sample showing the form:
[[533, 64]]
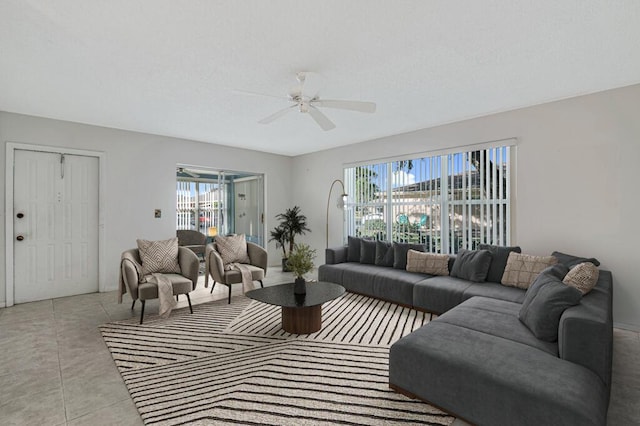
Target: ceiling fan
[[305, 99]]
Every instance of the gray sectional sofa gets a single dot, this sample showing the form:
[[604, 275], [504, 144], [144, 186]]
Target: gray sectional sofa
[[477, 360]]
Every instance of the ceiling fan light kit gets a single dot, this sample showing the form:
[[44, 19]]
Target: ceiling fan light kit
[[306, 100]]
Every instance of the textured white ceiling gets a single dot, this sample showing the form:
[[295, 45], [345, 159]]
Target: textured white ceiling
[[171, 67]]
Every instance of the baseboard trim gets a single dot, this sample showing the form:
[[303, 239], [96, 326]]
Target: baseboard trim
[[629, 327]]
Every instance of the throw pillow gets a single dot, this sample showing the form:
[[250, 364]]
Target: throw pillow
[[499, 256], [400, 253], [367, 251], [570, 260], [583, 276], [544, 303], [384, 254], [232, 248], [159, 256], [427, 263], [353, 250], [522, 269], [472, 265]]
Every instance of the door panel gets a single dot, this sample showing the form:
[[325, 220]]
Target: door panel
[[58, 196]]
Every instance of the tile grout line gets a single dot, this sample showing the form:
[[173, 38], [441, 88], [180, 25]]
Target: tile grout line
[[64, 401]]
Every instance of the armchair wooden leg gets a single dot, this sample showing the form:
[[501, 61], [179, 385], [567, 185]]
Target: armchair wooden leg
[[261, 285], [212, 286], [229, 294], [133, 304], [177, 298], [189, 300], [142, 312]]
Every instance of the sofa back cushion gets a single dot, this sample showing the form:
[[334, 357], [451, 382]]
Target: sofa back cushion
[[427, 263], [499, 256], [353, 251], [384, 254], [400, 253], [545, 301], [367, 251], [522, 269], [570, 260], [471, 265]]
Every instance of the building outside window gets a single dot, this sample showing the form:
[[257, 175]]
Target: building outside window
[[445, 202]]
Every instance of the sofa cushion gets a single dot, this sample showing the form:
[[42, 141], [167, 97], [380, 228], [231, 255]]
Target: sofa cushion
[[353, 252], [472, 265], [499, 256], [232, 248], [498, 318], [396, 285], [544, 303], [583, 276], [159, 256], [400, 253], [384, 254], [427, 263], [494, 291], [439, 294], [570, 260], [522, 269], [490, 380], [367, 251]]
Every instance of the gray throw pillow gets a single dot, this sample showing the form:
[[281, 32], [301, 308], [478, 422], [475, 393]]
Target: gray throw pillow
[[545, 301], [353, 250], [400, 253], [499, 256], [367, 251], [159, 256], [384, 254], [570, 260], [472, 265]]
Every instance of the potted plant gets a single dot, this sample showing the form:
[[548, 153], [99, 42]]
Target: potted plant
[[292, 223], [300, 262]]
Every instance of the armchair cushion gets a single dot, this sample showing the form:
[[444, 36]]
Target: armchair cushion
[[159, 256], [232, 249]]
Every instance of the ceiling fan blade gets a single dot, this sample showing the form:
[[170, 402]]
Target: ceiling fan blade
[[322, 120], [266, 95], [309, 84], [277, 115], [350, 105]]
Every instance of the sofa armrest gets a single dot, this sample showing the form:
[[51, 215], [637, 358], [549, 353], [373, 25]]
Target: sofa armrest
[[335, 255], [213, 265], [189, 264], [257, 256], [131, 271]]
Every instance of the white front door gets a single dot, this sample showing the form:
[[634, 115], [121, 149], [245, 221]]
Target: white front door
[[55, 222]]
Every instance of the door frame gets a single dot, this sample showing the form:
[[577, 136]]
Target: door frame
[[8, 228]]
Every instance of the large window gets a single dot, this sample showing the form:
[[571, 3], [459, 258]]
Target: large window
[[446, 202]]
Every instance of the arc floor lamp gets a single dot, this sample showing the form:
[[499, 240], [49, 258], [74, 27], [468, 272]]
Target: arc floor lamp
[[341, 203]]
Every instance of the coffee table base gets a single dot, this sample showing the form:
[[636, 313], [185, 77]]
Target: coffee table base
[[303, 320]]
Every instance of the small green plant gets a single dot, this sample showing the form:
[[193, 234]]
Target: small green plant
[[300, 260]]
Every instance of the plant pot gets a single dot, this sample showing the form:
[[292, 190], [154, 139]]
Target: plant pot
[[285, 267], [300, 286]]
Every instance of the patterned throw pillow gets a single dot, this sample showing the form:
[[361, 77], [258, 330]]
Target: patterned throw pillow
[[583, 276], [159, 256], [232, 248], [522, 269], [427, 263]]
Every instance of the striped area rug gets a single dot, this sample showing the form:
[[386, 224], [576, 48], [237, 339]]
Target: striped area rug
[[231, 364]]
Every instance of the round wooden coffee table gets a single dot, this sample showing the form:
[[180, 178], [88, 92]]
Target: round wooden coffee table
[[301, 314]]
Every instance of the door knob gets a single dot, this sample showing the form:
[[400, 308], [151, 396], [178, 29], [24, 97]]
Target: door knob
[[20, 215], [19, 238]]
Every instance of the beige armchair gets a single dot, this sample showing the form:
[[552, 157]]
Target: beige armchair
[[193, 240], [182, 283], [214, 266]]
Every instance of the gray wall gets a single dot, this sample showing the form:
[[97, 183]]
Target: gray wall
[[140, 177], [576, 180]]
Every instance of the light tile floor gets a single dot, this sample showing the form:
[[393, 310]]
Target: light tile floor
[[56, 370]]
